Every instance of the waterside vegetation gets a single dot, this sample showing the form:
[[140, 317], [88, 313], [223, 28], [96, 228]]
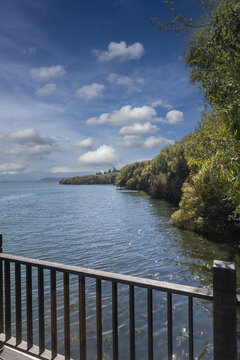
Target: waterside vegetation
[[99, 179], [201, 172]]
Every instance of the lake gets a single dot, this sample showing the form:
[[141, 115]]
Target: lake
[[102, 228]]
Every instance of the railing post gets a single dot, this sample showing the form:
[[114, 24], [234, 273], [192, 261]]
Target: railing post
[[224, 311], [1, 296]]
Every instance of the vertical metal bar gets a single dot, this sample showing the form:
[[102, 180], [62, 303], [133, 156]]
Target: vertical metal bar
[[7, 300], [66, 316], [1, 297], [224, 310], [1, 293], [99, 318], [150, 325], [53, 314], [132, 322], [41, 320], [169, 321], [82, 317], [18, 297], [29, 306], [115, 320], [190, 326]]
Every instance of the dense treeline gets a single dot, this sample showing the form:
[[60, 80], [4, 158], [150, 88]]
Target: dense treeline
[[98, 179], [201, 173]]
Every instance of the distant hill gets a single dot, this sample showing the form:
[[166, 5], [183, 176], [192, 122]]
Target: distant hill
[[98, 179], [50, 179]]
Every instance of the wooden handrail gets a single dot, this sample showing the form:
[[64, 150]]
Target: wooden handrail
[[164, 286]]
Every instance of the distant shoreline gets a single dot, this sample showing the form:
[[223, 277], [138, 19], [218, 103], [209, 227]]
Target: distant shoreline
[[98, 179]]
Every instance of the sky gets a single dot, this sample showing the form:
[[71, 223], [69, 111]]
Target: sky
[[88, 85]]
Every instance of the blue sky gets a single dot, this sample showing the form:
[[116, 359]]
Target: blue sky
[[87, 85]]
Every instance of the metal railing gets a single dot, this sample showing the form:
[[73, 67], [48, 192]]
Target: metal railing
[[223, 297]]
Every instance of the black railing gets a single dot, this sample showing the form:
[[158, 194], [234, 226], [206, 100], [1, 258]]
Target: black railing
[[223, 297]]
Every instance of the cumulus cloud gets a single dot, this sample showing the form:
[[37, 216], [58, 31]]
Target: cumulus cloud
[[30, 144], [157, 141], [46, 73], [174, 117], [130, 141], [123, 81], [89, 92], [29, 136], [30, 150], [11, 168], [161, 103], [126, 115], [104, 155], [121, 51], [46, 90], [139, 129], [84, 144]]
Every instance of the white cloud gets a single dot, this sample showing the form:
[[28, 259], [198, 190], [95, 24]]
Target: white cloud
[[123, 81], [11, 168], [46, 73], [162, 104], [104, 155], [139, 129], [130, 141], [157, 141], [84, 144], [61, 169], [126, 115], [30, 150], [46, 90], [27, 136], [89, 92], [30, 144], [121, 51], [174, 117]]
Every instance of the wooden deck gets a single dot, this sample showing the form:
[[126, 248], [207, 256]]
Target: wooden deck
[[13, 354]]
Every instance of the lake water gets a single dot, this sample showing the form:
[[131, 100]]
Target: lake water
[[101, 228]]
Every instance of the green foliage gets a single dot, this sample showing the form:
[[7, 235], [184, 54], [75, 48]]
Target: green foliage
[[169, 170], [211, 195], [98, 179], [163, 177], [214, 58], [134, 176]]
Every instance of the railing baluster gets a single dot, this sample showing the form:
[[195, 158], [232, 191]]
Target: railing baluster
[[41, 320], [150, 325], [29, 306], [1, 297], [169, 320], [18, 297], [7, 300], [82, 317], [132, 322], [115, 320], [66, 316], [53, 314], [99, 318], [190, 326]]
